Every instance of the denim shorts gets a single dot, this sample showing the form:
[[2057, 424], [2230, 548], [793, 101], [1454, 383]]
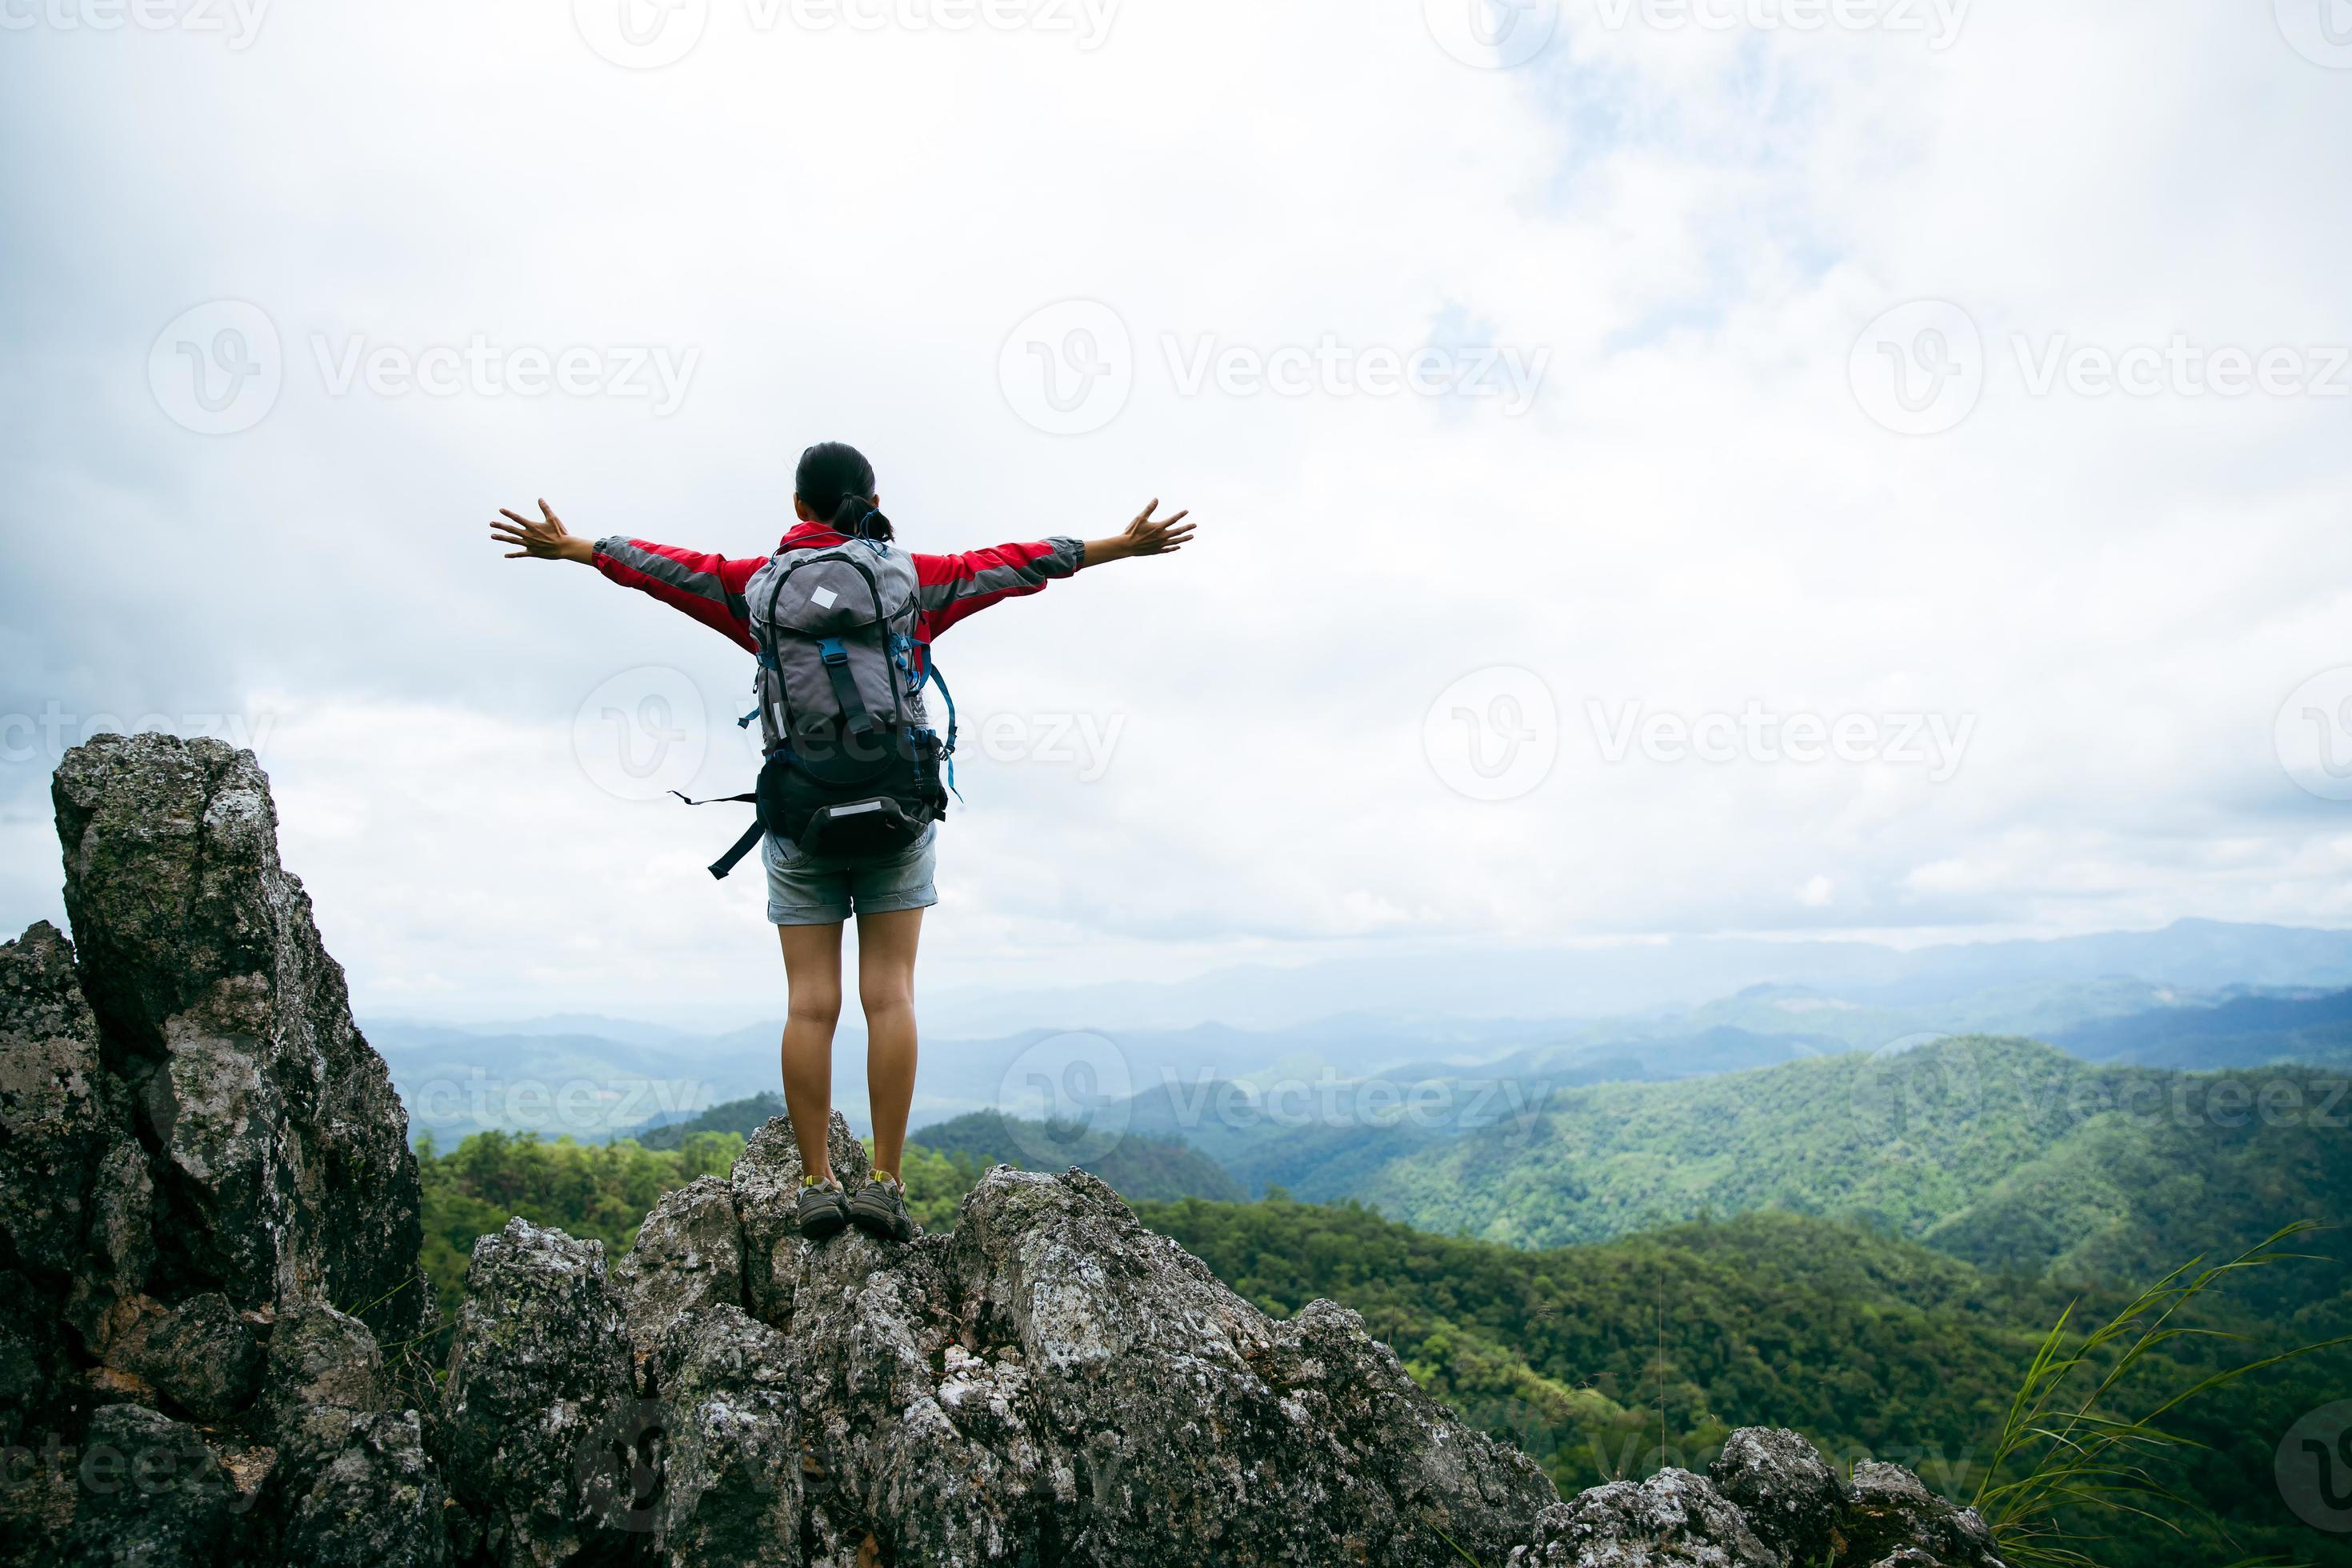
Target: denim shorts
[[826, 889]]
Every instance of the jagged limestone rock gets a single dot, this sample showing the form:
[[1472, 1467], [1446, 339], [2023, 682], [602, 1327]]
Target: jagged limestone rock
[[1674, 1520], [151, 1494], [1794, 1500], [358, 1490], [730, 1491], [320, 1359], [689, 1257], [200, 1354], [1052, 1382], [539, 1376], [74, 1191], [1892, 1509], [766, 1182], [284, 1174]]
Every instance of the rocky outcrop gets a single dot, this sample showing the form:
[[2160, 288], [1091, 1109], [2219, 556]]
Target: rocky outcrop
[[1051, 1383], [280, 1151], [540, 1381], [209, 1230]]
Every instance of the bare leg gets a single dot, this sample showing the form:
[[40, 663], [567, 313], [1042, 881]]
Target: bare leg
[[886, 988], [813, 969]]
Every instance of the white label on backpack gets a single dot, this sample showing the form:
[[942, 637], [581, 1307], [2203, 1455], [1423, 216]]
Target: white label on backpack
[[824, 598]]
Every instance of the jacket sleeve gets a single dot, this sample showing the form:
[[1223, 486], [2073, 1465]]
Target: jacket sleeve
[[953, 586], [708, 588]]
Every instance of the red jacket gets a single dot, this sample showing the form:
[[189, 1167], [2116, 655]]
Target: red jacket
[[711, 587]]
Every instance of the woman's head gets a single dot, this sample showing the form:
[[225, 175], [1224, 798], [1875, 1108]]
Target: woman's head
[[834, 485]]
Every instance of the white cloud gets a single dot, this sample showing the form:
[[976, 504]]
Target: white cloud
[[1695, 515]]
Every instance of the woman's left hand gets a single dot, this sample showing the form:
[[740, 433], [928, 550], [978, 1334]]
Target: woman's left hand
[[541, 540]]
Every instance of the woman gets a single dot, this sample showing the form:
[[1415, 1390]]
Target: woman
[[810, 896]]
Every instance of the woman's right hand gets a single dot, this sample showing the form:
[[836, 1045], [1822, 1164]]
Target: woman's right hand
[[1146, 536], [541, 540]]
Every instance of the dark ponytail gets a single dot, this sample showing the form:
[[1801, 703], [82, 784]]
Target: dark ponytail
[[835, 482]]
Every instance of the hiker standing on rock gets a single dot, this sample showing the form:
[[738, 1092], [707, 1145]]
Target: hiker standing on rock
[[851, 793]]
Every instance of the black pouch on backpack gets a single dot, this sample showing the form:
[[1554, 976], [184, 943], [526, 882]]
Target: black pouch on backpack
[[879, 814]]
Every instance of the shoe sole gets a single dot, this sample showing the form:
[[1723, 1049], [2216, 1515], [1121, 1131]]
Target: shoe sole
[[818, 1226], [880, 1227]]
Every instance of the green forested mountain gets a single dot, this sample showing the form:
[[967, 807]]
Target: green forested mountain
[[2243, 1032], [741, 1117], [1610, 1359], [2002, 1151], [1138, 1165]]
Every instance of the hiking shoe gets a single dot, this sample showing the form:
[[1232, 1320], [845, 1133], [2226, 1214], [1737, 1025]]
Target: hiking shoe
[[823, 1210], [879, 1210]]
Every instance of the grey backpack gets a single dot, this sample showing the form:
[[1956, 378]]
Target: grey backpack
[[853, 764]]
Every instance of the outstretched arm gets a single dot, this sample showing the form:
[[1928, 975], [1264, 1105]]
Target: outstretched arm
[[708, 588], [1146, 535], [955, 586]]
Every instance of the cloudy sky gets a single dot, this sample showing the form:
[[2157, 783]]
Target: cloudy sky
[[1750, 466]]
